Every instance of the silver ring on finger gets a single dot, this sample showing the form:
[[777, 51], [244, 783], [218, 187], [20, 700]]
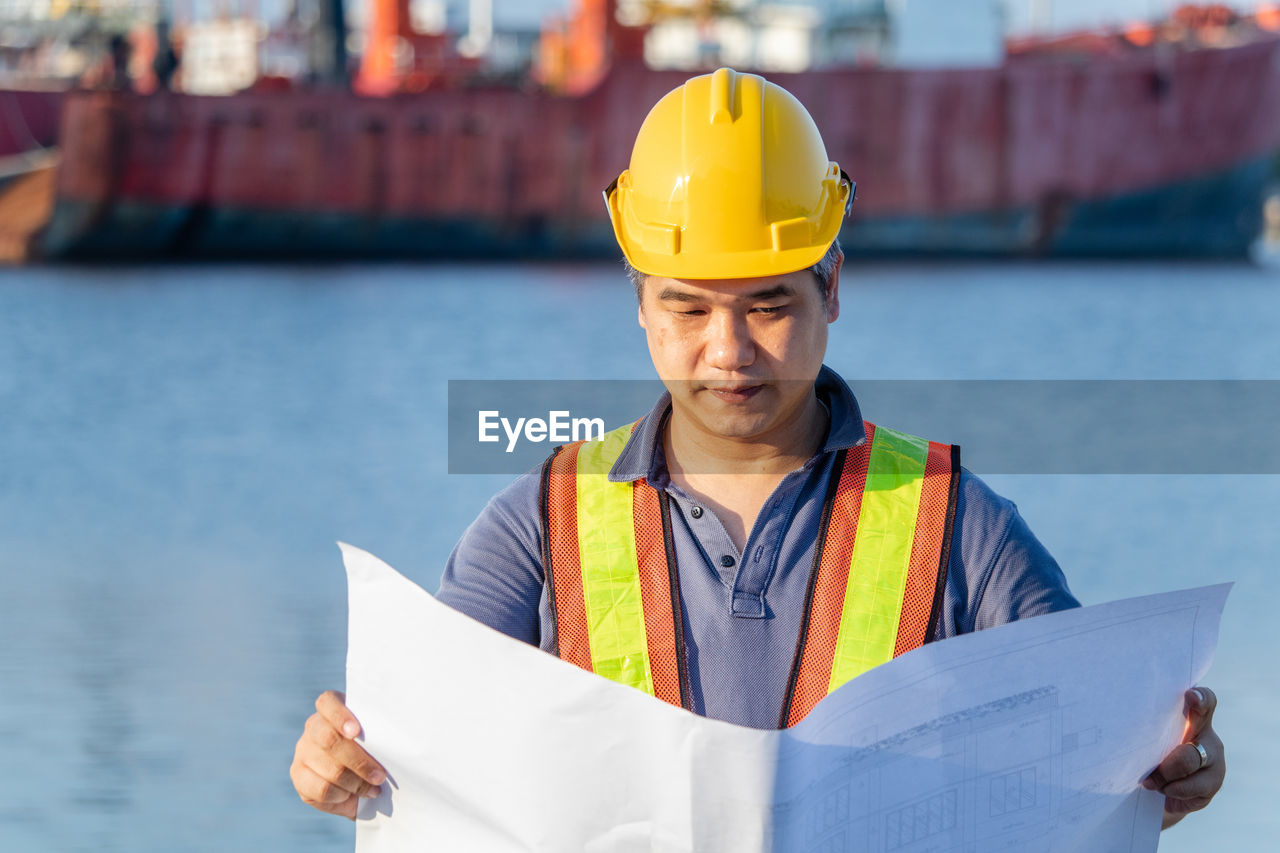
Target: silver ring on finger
[[1204, 755]]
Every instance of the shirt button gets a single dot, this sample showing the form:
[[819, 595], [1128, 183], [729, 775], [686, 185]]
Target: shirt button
[[726, 561], [696, 512]]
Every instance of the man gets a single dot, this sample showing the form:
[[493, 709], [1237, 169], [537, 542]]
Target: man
[[751, 543]]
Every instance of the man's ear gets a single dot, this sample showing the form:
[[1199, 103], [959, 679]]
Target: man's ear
[[833, 289]]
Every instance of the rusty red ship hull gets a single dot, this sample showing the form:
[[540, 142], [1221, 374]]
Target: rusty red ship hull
[[1143, 154]]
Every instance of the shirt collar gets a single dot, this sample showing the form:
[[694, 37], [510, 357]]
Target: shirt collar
[[642, 456]]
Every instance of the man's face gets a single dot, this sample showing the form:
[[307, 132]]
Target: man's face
[[739, 356]]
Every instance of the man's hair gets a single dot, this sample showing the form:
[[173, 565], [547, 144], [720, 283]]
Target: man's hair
[[822, 271]]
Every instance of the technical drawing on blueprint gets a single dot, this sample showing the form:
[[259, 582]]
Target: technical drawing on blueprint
[[1054, 764], [873, 802]]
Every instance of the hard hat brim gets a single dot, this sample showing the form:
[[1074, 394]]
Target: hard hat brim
[[758, 264]]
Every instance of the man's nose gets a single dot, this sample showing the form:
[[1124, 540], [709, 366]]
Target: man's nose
[[729, 343]]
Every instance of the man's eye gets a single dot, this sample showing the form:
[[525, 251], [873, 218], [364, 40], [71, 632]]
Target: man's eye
[[696, 312], [767, 309]]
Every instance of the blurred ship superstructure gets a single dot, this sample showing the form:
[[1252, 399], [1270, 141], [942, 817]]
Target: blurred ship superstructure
[[1153, 139]]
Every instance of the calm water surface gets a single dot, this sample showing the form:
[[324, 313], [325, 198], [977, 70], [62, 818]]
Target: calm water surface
[[180, 447]]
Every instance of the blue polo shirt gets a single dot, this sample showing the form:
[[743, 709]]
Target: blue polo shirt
[[742, 609]]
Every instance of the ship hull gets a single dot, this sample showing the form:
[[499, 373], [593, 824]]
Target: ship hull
[[1130, 156], [1215, 215], [1209, 216]]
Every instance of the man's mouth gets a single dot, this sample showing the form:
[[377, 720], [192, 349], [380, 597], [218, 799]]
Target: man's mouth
[[735, 393]]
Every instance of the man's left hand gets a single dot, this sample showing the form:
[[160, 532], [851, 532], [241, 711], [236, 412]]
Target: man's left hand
[[1187, 779]]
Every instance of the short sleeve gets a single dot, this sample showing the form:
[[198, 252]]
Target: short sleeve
[[495, 574], [999, 571]]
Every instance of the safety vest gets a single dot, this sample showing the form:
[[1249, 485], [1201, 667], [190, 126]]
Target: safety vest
[[875, 589]]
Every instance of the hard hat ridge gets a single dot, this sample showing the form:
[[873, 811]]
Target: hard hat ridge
[[723, 89], [728, 178]]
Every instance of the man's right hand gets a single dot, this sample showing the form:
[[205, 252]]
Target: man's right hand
[[330, 771]]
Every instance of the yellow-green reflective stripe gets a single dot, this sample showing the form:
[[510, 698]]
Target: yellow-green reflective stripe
[[610, 568], [881, 554]]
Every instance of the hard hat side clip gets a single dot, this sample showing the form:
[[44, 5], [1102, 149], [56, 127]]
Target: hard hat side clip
[[853, 192]]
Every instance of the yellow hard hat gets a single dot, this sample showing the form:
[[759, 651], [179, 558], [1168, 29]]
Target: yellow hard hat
[[729, 179]]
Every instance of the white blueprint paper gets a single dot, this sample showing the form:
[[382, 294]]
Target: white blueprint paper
[[1028, 737]]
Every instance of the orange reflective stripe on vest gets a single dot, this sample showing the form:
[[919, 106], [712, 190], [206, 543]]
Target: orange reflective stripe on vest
[[874, 593]]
